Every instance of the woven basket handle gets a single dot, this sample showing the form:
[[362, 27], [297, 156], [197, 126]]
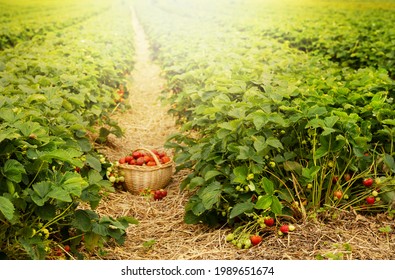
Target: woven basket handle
[[151, 153]]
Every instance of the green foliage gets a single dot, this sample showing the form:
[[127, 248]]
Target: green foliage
[[52, 96], [266, 128]]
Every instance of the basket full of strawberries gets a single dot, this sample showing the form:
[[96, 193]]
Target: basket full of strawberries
[[144, 168]]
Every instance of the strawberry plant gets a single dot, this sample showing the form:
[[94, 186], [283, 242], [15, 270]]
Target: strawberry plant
[[49, 167], [270, 128]]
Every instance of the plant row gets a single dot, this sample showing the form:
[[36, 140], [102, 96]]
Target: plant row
[[22, 22], [268, 130], [57, 90], [352, 35]]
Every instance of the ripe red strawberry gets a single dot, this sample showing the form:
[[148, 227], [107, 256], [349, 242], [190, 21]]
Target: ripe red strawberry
[[370, 200], [122, 160], [338, 194], [269, 221], [163, 193], [140, 161], [165, 159], [284, 228], [67, 248], [128, 159], [147, 158], [136, 154], [151, 163], [255, 239], [367, 182], [159, 194]]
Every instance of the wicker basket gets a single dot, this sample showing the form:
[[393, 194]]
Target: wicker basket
[[138, 178]]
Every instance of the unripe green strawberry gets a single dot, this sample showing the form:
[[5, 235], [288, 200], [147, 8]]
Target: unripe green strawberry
[[230, 237], [247, 244]]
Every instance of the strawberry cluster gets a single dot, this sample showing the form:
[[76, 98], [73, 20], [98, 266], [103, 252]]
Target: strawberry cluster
[[142, 158]]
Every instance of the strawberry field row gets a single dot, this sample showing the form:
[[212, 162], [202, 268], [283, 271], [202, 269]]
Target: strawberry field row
[[21, 22], [56, 89], [353, 35], [268, 130]]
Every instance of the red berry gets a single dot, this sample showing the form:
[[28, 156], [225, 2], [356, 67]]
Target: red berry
[[146, 158], [122, 160], [347, 177], [151, 163], [367, 182], [338, 194], [284, 228], [370, 200], [161, 154], [159, 194], [165, 159], [67, 248], [136, 154], [269, 221], [140, 161], [163, 193], [255, 239]]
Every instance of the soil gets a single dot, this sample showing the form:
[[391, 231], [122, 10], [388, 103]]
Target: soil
[[162, 233]]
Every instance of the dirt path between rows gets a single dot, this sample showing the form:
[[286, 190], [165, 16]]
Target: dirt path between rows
[[147, 124], [161, 232]]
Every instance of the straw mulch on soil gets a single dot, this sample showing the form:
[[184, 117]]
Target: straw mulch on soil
[[161, 232], [347, 236]]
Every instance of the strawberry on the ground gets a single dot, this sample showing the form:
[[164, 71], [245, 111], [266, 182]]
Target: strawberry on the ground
[[160, 194], [284, 228], [255, 239]]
